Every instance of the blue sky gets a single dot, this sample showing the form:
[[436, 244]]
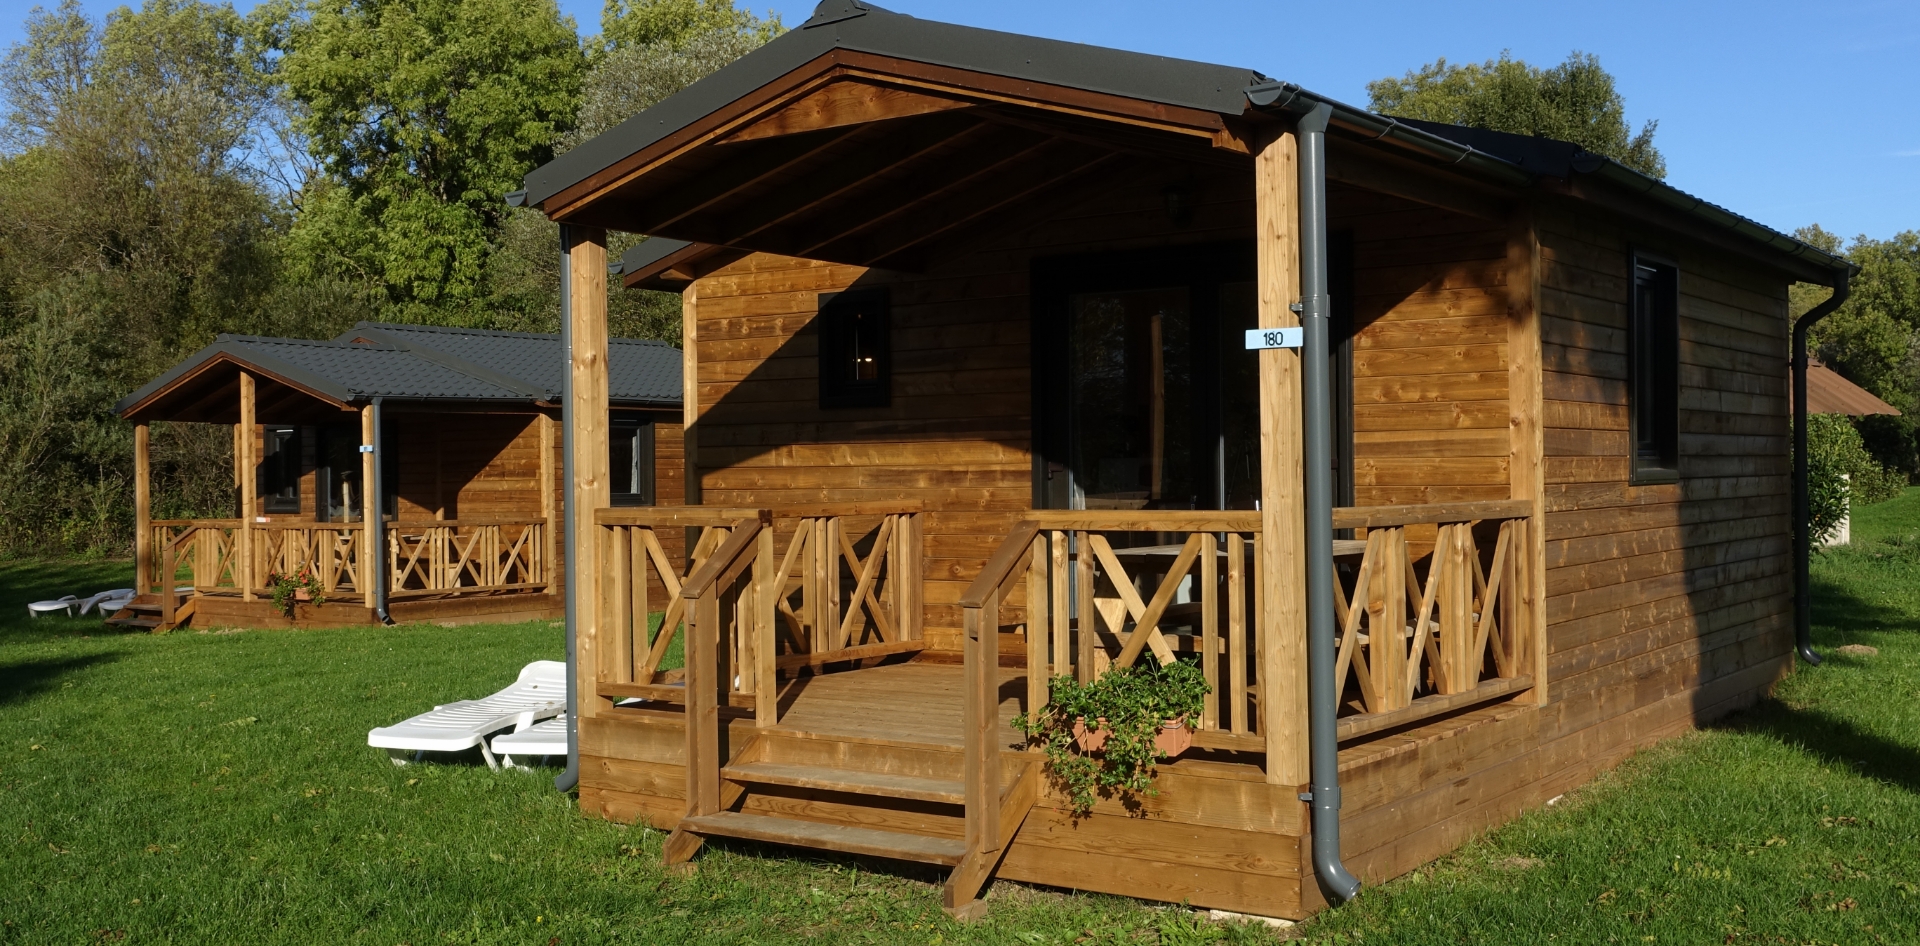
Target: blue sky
[[1786, 112]]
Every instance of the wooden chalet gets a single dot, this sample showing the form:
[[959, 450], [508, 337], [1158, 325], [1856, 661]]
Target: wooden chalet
[[451, 434], [989, 378]]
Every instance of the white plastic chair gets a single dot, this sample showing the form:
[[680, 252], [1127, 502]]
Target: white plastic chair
[[63, 603], [117, 596], [540, 693], [541, 739]]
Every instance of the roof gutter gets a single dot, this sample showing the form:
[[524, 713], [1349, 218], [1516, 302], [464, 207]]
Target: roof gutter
[[1277, 96], [1802, 502]]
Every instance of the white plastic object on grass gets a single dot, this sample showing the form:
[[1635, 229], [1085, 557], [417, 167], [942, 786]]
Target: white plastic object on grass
[[541, 739], [63, 603], [540, 693], [103, 599]]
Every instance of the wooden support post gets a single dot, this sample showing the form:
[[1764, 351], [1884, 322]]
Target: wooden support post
[[1038, 621], [703, 706], [1084, 669], [374, 557], [244, 472], [1283, 615], [590, 490], [1209, 595], [766, 591], [690, 488], [143, 513], [1062, 614], [549, 512], [1527, 467]]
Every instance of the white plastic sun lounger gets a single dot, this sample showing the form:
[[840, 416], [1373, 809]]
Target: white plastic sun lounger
[[118, 596], [541, 739], [540, 693], [63, 603]]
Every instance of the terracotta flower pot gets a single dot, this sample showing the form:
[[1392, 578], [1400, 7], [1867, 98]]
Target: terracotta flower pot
[[1090, 740], [1173, 738], [302, 594]]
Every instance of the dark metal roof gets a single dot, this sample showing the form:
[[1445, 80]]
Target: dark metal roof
[[639, 371], [1513, 160], [417, 362], [858, 25]]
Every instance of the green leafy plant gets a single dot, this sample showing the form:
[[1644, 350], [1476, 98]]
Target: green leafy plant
[[1129, 706], [286, 589], [1841, 473]]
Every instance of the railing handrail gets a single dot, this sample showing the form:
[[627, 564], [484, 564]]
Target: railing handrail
[[675, 515], [994, 574], [709, 572], [1148, 520], [891, 507], [1373, 517], [197, 523], [453, 523]]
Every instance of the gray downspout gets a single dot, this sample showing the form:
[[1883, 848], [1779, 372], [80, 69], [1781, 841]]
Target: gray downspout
[[376, 503], [1322, 695], [566, 780], [1802, 503]]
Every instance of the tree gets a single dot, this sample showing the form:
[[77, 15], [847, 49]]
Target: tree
[[132, 228], [652, 49], [424, 115], [1575, 101]]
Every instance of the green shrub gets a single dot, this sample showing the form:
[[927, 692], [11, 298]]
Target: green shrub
[[1133, 702], [1839, 471]]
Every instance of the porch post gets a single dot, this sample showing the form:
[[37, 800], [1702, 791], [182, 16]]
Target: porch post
[[142, 511], [547, 486], [371, 559], [588, 489], [246, 471], [1525, 380], [1283, 621]]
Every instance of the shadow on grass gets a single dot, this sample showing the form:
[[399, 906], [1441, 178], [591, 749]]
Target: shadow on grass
[[1834, 741], [1834, 607], [18, 681]]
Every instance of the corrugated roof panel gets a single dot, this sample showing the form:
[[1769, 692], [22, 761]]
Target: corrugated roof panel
[[638, 370]]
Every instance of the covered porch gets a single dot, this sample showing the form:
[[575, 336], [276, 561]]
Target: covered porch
[[1060, 453]]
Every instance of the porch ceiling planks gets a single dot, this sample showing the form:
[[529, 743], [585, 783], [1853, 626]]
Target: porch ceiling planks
[[895, 178]]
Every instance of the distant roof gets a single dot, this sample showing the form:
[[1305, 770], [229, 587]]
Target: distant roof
[[1231, 91], [402, 362], [1829, 393]]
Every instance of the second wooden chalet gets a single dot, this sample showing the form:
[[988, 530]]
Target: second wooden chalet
[[1458, 461], [450, 434]]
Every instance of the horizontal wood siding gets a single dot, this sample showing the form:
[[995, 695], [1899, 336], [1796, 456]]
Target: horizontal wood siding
[[958, 434], [1429, 351], [1667, 605]]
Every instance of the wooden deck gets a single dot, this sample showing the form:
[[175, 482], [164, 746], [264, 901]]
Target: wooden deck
[[920, 703]]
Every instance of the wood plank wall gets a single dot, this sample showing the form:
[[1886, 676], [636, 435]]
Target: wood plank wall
[[1430, 351], [1668, 605], [1430, 369]]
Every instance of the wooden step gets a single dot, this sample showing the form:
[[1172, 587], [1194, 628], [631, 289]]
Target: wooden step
[[134, 622], [851, 781], [830, 837]]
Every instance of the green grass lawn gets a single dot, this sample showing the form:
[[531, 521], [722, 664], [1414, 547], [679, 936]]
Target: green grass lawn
[[217, 788]]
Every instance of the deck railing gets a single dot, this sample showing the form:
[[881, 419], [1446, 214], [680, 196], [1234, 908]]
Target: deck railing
[[829, 585], [437, 557], [1430, 606], [424, 559]]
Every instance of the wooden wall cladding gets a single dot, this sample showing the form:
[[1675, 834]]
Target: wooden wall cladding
[[1429, 351], [468, 465], [958, 433]]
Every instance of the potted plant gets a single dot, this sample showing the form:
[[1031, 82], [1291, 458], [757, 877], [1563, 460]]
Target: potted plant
[[1108, 737], [289, 590]]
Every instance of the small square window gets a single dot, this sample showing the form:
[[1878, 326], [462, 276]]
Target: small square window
[[1653, 371], [631, 462], [855, 357]]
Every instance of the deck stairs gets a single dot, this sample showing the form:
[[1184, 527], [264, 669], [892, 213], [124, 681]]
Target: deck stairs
[[866, 797], [143, 613]]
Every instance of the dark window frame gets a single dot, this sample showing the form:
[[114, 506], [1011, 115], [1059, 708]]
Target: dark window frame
[[1653, 368], [642, 468], [842, 315], [280, 469]]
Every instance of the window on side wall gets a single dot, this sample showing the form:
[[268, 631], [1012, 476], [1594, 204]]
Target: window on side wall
[[280, 470], [1653, 370], [855, 359], [631, 461]]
